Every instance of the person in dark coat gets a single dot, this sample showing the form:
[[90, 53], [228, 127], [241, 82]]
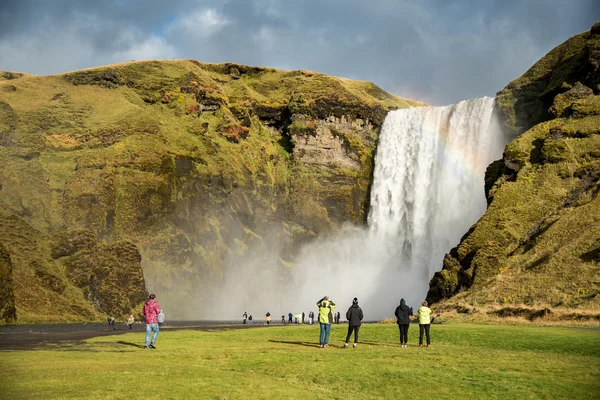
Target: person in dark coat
[[403, 314], [354, 315]]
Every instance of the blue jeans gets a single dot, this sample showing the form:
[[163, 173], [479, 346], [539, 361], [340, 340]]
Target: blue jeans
[[325, 331], [151, 328]]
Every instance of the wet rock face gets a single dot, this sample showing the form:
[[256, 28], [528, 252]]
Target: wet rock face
[[110, 275], [8, 312]]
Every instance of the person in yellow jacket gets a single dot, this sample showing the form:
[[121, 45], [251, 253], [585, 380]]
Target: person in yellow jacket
[[424, 322], [326, 309]]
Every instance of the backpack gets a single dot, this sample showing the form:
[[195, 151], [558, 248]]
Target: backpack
[[161, 317]]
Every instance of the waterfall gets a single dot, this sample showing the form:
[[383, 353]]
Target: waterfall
[[429, 178], [428, 189]]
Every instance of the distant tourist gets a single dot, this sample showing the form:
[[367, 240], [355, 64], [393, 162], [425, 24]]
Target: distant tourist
[[250, 320], [244, 318], [303, 316], [403, 314], [268, 318], [282, 319], [311, 317], [424, 322], [290, 316], [151, 311], [338, 317], [326, 308], [130, 321], [111, 323], [354, 315], [296, 318]]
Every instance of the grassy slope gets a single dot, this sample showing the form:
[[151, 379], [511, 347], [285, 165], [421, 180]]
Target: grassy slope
[[124, 152], [465, 361], [537, 245]]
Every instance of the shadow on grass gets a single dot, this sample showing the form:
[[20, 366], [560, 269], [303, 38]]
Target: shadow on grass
[[306, 344], [313, 344], [139, 346]]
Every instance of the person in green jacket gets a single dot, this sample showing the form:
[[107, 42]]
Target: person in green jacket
[[326, 309], [424, 322]]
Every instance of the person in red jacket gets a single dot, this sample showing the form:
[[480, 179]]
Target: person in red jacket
[[151, 311]]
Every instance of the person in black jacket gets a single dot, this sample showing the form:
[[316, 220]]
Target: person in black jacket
[[403, 314], [354, 315]]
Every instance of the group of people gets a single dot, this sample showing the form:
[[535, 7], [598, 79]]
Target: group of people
[[354, 315], [327, 315], [403, 314], [248, 318], [298, 318]]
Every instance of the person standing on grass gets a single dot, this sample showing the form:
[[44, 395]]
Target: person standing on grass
[[151, 311], [326, 309], [310, 317], [244, 317], [403, 314], [130, 321], [250, 319], [268, 318], [303, 315], [282, 319], [111, 323], [290, 316], [354, 315], [424, 322]]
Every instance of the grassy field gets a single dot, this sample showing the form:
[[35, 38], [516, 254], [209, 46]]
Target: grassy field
[[465, 361]]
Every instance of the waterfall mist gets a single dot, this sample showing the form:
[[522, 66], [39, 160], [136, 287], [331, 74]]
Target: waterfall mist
[[428, 189]]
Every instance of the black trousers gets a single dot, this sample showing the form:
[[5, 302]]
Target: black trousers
[[403, 333], [424, 327], [355, 329]]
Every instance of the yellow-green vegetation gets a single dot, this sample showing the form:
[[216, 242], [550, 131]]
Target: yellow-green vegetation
[[464, 362], [536, 251], [193, 163]]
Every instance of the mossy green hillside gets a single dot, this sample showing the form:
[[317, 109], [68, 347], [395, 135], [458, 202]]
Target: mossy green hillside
[[537, 244], [193, 163], [528, 99]]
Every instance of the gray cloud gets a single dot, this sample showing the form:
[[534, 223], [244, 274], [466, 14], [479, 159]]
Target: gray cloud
[[432, 50]]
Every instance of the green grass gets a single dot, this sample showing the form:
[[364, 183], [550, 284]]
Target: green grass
[[465, 361]]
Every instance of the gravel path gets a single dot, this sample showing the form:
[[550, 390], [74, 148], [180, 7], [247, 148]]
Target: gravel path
[[34, 337]]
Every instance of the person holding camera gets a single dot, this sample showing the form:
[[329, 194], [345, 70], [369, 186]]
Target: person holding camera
[[326, 309]]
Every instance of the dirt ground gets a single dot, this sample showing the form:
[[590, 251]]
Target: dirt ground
[[35, 337]]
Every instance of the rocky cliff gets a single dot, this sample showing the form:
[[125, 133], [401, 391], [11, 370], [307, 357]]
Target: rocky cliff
[[537, 248], [173, 167]]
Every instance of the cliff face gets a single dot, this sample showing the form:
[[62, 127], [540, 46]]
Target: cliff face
[[538, 243], [176, 166]]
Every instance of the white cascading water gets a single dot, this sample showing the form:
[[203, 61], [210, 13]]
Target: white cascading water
[[429, 178], [428, 189]]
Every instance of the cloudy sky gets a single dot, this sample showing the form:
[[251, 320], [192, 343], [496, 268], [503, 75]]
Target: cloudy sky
[[437, 51]]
